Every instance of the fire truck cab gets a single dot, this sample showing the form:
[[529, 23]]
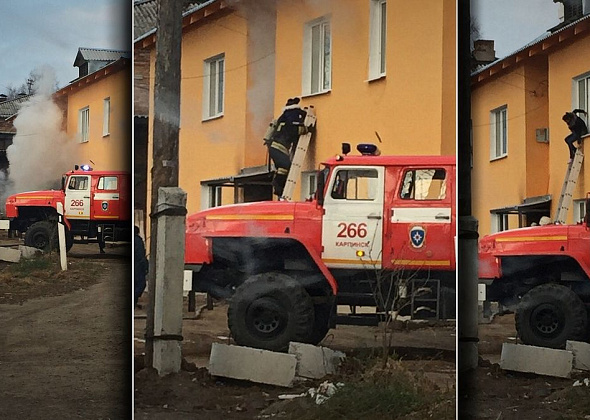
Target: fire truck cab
[[97, 208], [379, 229]]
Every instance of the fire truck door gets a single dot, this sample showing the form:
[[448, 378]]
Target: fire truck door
[[106, 199], [421, 225], [352, 227], [77, 204]]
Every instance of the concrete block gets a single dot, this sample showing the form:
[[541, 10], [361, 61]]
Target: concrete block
[[5, 224], [539, 360], [29, 251], [255, 365], [315, 362], [9, 254], [581, 353]]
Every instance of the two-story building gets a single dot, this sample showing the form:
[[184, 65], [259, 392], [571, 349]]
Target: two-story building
[[97, 106], [378, 71], [519, 154]]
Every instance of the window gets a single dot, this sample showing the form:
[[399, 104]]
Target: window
[[499, 222], [107, 183], [582, 95], [308, 184], [378, 38], [317, 57], [579, 210], [215, 196], [83, 124], [356, 184], [424, 184], [106, 116], [213, 87], [499, 133], [78, 183]]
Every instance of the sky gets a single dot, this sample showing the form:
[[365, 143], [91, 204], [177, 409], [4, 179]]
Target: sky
[[513, 23], [36, 33]]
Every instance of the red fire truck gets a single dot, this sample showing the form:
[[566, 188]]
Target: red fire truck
[[543, 274], [378, 229], [97, 208]]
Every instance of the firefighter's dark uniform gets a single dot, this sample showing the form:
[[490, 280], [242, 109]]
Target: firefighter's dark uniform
[[289, 127], [577, 127]]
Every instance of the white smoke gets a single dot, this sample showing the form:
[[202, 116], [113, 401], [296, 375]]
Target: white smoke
[[41, 151]]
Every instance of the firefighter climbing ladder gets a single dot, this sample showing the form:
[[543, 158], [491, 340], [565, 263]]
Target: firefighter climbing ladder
[[299, 157], [569, 183]]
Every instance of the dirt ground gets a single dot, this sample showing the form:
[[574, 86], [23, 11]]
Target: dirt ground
[[427, 351], [65, 337], [491, 393]]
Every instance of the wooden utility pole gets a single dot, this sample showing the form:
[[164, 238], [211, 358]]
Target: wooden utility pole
[[165, 133]]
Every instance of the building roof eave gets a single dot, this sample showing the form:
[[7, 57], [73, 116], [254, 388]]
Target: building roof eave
[[538, 46]]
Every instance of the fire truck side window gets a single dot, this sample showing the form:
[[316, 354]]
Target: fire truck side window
[[355, 184], [78, 183], [107, 183], [424, 184]]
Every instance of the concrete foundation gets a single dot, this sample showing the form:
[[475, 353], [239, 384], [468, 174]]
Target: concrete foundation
[[539, 360], [255, 365], [581, 353]]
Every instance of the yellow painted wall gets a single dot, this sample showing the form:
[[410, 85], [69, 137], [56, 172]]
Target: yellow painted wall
[[537, 92], [112, 152], [501, 182], [405, 107], [214, 148], [412, 108], [564, 65]]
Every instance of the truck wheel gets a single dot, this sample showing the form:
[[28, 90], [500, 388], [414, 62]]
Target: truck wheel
[[41, 235], [549, 315], [321, 323], [268, 311]]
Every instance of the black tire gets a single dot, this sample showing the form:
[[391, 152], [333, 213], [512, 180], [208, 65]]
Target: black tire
[[549, 315], [69, 240], [268, 311], [42, 235], [321, 323]]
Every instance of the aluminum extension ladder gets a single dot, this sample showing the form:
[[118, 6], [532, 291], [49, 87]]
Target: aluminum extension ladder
[[569, 183], [299, 156]]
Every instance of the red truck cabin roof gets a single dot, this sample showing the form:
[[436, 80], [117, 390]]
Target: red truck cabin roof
[[391, 160], [97, 173]]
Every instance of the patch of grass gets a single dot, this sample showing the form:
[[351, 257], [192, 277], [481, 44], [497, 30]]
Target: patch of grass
[[389, 393], [33, 266]]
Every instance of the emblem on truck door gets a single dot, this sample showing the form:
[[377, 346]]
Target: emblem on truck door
[[417, 236], [104, 205]]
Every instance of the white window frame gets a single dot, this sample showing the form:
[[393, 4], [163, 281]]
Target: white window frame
[[106, 117], [499, 132], [84, 124], [213, 87], [581, 95], [579, 210], [317, 61], [377, 39], [500, 222], [308, 184]]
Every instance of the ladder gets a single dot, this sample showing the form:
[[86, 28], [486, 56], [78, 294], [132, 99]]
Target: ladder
[[299, 157], [569, 183]]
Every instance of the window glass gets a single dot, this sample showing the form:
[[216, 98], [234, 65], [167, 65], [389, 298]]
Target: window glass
[[424, 184], [107, 183], [355, 184], [78, 183]]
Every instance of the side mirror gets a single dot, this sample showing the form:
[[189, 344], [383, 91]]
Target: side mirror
[[63, 183], [587, 215]]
